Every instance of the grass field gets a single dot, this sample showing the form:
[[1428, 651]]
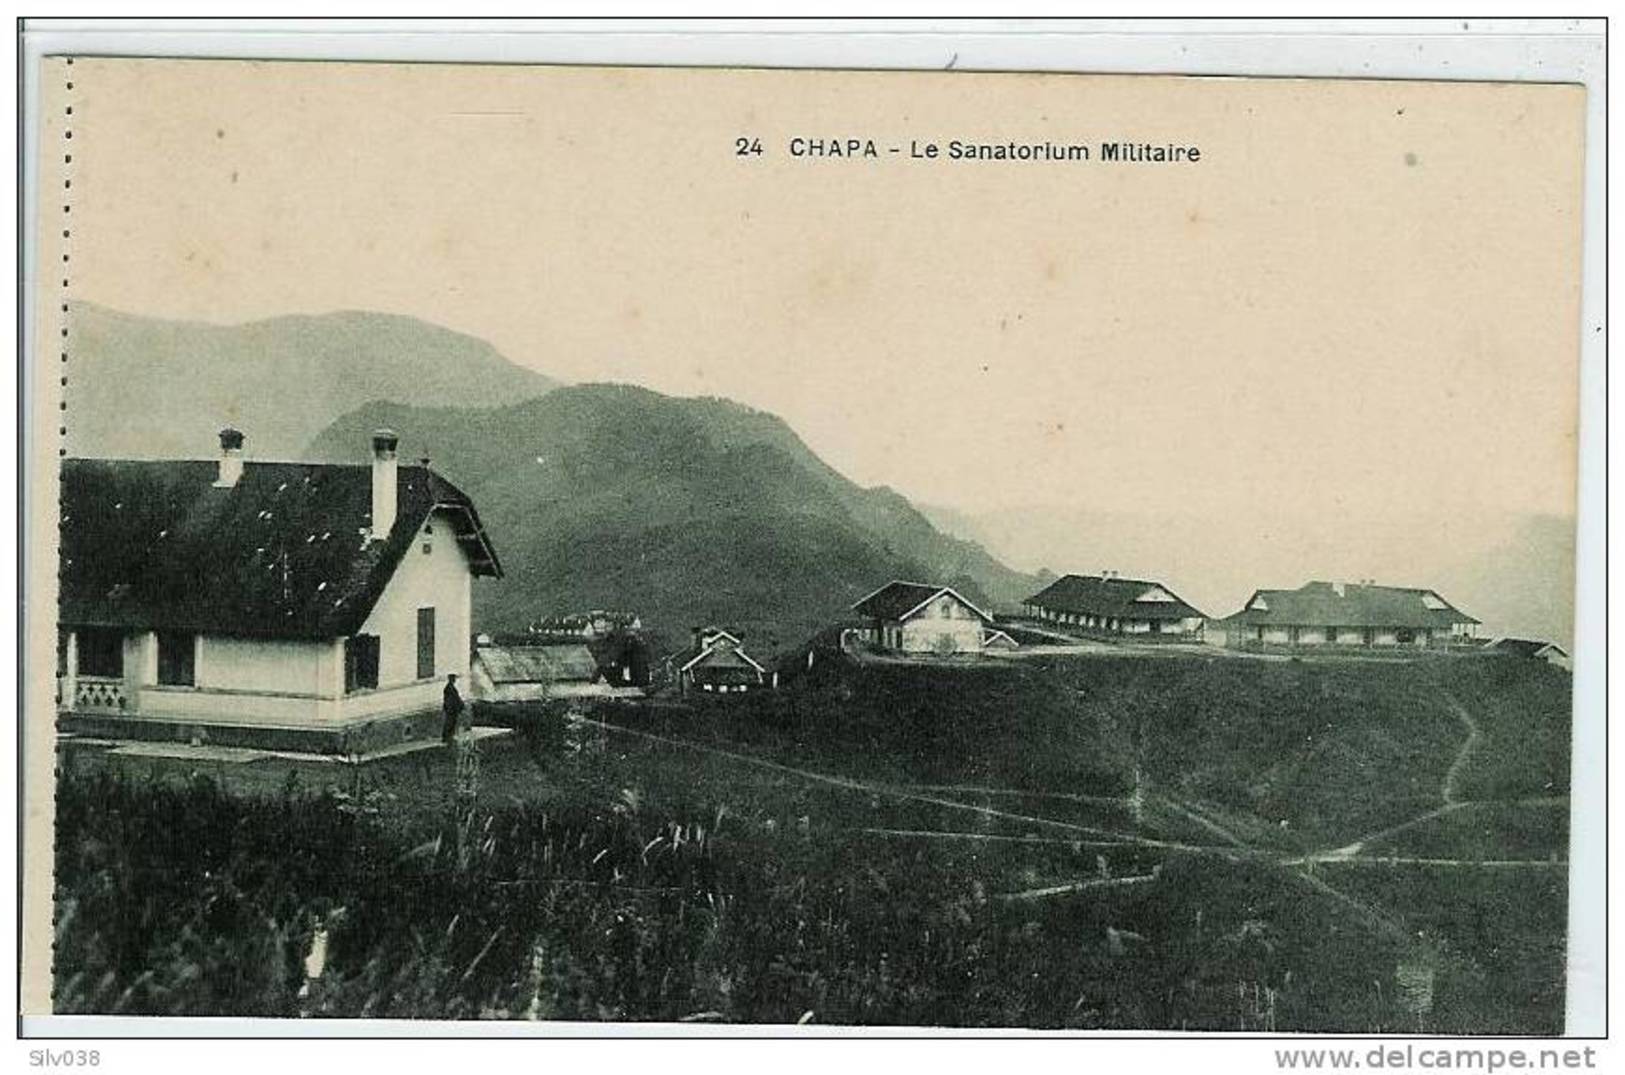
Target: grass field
[[1092, 842]]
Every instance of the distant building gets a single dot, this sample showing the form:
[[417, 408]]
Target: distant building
[[586, 625], [1535, 650], [914, 617], [715, 662], [1107, 604], [995, 639], [523, 671], [1351, 614], [233, 594]]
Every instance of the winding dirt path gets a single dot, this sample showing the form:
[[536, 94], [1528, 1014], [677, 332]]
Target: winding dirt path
[[1448, 791], [1301, 868], [900, 793], [1474, 736]]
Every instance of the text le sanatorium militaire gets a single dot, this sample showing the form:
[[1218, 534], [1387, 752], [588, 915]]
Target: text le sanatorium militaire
[[860, 149]]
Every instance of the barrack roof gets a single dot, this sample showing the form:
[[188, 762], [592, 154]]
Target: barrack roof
[[1098, 595], [1323, 604]]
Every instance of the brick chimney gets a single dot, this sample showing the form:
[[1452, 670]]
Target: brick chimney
[[231, 458], [384, 442]]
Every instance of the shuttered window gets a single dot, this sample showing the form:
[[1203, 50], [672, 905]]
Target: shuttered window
[[425, 643], [177, 652], [361, 662], [101, 652]]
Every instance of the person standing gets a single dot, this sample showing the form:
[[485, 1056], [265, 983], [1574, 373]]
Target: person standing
[[451, 707]]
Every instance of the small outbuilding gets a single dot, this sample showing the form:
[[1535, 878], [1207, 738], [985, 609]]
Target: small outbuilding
[[1534, 650], [995, 639], [715, 662], [529, 671]]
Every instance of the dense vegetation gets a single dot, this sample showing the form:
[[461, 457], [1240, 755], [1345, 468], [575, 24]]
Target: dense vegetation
[[614, 915], [823, 855]]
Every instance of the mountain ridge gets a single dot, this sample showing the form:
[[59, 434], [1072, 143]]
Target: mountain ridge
[[688, 511], [281, 379]]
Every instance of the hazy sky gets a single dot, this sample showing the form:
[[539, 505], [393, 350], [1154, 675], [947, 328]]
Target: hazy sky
[[1365, 296]]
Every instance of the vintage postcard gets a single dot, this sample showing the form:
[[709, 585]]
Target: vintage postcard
[[803, 547]]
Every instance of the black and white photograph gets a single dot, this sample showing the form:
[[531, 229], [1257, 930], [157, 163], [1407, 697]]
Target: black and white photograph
[[724, 547]]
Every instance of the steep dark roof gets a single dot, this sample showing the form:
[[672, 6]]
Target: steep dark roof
[[1318, 604], [282, 553], [1095, 595], [896, 600]]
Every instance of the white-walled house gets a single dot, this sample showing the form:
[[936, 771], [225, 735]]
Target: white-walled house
[[917, 617], [291, 595], [1349, 614], [1108, 604]]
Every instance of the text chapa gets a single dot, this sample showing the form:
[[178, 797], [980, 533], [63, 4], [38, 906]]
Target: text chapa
[[833, 147]]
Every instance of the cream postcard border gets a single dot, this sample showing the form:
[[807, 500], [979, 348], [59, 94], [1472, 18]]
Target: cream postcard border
[[1407, 49]]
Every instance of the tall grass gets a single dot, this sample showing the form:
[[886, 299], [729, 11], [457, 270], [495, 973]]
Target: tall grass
[[184, 899], [597, 875]]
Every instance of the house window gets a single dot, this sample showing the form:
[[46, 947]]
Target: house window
[[360, 662], [177, 656], [425, 643], [101, 652]]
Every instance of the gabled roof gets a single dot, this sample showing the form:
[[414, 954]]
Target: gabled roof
[[538, 664], [991, 637], [901, 600], [283, 553], [1527, 647], [1097, 595], [1322, 604], [716, 647]]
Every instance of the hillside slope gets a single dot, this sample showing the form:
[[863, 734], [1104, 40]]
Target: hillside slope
[[952, 776], [147, 388], [689, 511]]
